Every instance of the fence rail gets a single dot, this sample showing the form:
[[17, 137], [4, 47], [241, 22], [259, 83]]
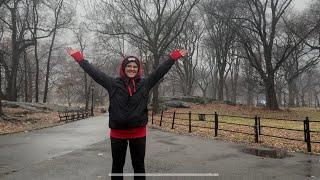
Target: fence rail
[[256, 127], [73, 116]]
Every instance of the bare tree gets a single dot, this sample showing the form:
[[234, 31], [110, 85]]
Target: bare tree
[[39, 28], [307, 84], [62, 17], [213, 74], [16, 22], [311, 21], [249, 83], [189, 39], [34, 33], [19, 20], [295, 66], [258, 29], [1, 60], [68, 84], [234, 75], [221, 36], [203, 74], [1, 97], [83, 43], [155, 25]]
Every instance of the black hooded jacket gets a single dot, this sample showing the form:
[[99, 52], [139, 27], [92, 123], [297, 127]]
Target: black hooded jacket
[[125, 111]]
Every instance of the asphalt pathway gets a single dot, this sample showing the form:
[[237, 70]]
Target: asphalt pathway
[[81, 150]]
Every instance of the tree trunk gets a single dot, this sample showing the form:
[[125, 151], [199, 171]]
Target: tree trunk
[[35, 34], [220, 87], [57, 11], [46, 87], [284, 99], [214, 86], [12, 93], [183, 88], [221, 63], [190, 79], [155, 99], [227, 92], [186, 78], [86, 91], [25, 76], [234, 81], [309, 99], [1, 58], [173, 86], [234, 97], [317, 104], [249, 97], [204, 94], [302, 100], [271, 97], [1, 112], [37, 71], [69, 95], [155, 91], [12, 81], [30, 83], [291, 91], [279, 98], [234, 93]]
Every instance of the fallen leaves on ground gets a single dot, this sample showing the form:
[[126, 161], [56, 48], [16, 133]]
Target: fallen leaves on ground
[[230, 132], [22, 120]]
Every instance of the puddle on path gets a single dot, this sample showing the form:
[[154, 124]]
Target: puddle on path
[[267, 153]]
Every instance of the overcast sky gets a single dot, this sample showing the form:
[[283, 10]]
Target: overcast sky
[[301, 4], [298, 4]]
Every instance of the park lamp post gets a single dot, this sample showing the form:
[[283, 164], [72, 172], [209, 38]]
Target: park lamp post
[[92, 89]]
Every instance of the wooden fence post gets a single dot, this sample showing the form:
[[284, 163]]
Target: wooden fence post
[[256, 129], [151, 117], [189, 121], [307, 139], [174, 116], [161, 118], [216, 124]]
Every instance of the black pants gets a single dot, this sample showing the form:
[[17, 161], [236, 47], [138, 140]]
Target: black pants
[[137, 151]]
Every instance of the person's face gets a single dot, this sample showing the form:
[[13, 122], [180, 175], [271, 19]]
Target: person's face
[[131, 69]]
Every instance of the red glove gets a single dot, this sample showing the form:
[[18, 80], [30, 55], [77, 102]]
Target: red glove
[[77, 56], [175, 55]]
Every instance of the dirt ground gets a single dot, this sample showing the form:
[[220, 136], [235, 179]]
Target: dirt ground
[[22, 120]]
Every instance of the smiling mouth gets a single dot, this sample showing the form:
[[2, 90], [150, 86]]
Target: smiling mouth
[[132, 73]]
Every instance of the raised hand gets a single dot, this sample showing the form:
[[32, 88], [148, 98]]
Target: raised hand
[[183, 52], [176, 54], [76, 54]]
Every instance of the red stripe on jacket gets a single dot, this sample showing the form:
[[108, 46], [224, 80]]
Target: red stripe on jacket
[[128, 133]]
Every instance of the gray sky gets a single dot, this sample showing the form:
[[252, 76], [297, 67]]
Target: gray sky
[[301, 4], [82, 5]]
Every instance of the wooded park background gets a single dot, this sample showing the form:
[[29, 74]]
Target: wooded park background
[[251, 52]]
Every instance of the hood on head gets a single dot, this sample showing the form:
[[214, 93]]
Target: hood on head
[[126, 61]]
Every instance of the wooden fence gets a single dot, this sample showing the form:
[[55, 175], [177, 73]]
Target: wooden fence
[[254, 125], [71, 116]]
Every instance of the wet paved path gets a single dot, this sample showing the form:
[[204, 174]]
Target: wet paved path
[[24, 149], [81, 150]]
